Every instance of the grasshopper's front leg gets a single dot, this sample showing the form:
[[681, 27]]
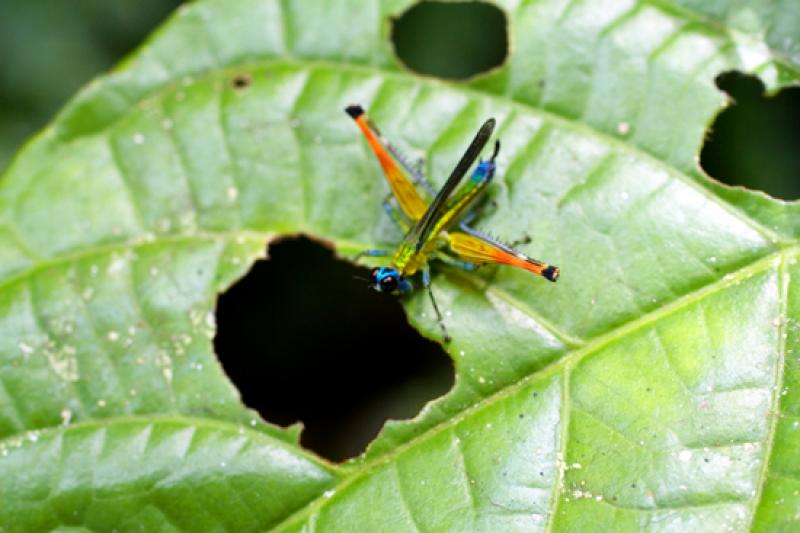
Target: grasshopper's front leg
[[371, 253], [426, 282]]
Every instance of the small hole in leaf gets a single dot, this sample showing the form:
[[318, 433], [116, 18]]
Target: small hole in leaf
[[754, 142], [454, 40], [304, 340], [241, 81]]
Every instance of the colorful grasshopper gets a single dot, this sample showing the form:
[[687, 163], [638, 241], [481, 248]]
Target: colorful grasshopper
[[427, 223]]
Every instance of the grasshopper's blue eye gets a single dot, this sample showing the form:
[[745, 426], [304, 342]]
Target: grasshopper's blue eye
[[385, 279], [388, 284]]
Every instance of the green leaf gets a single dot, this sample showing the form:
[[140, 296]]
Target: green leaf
[[154, 474], [653, 387]]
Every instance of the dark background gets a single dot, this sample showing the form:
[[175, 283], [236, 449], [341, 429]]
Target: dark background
[[301, 337]]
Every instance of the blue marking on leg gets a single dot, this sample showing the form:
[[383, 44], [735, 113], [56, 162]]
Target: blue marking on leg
[[463, 265], [372, 253]]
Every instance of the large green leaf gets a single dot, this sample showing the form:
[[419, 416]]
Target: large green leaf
[[653, 387]]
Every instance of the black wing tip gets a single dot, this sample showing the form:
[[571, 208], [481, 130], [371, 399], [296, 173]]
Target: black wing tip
[[488, 127], [551, 273], [354, 111]]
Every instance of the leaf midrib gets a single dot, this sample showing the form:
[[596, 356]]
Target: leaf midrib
[[566, 363], [783, 317]]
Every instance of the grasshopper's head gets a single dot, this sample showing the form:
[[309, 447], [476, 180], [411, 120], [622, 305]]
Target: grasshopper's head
[[387, 279]]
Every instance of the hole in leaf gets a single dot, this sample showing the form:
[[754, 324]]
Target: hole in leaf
[[241, 81], [303, 339], [754, 142], [454, 40]]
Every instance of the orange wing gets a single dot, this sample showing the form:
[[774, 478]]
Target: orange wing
[[479, 249], [410, 200]]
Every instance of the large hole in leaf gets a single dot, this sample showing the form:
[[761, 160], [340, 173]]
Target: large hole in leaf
[[304, 339], [454, 40], [755, 141]]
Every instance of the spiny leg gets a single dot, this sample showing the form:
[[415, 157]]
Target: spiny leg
[[416, 170], [426, 282], [419, 175], [466, 228], [463, 225], [477, 247]]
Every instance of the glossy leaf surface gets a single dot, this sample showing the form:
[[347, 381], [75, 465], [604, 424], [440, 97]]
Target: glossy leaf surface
[[654, 386]]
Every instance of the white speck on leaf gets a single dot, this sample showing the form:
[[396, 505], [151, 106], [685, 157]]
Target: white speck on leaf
[[117, 264]]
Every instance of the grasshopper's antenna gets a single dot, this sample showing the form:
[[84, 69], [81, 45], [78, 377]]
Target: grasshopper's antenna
[[496, 151]]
